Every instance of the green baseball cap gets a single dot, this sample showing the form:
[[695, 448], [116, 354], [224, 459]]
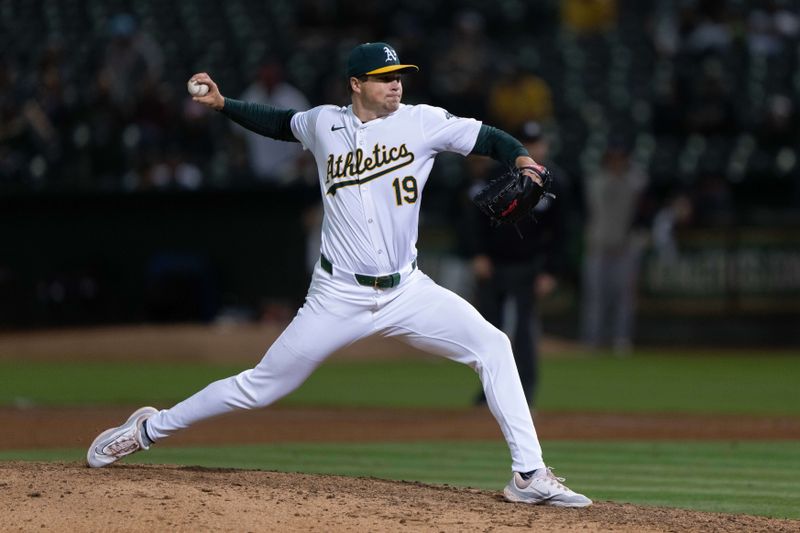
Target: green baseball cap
[[375, 58]]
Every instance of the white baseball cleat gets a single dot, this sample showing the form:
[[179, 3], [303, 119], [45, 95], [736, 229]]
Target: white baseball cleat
[[543, 488], [115, 443]]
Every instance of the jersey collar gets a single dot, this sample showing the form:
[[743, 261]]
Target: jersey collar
[[358, 123]]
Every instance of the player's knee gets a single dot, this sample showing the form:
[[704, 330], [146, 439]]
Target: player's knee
[[252, 394], [501, 342], [495, 344], [501, 351]]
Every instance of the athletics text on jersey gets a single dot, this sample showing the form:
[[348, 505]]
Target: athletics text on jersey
[[372, 175], [360, 169]]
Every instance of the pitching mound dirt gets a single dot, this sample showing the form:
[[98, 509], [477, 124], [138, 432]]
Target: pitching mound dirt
[[71, 497]]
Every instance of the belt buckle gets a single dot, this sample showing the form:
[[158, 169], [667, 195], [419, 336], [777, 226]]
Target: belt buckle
[[375, 282]]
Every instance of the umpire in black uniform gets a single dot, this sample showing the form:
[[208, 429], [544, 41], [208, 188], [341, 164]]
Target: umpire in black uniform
[[507, 268]]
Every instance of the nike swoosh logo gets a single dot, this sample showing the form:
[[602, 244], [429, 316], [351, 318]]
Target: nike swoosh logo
[[334, 128]]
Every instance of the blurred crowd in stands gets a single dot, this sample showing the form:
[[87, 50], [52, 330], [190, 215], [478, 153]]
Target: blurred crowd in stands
[[703, 93], [656, 114]]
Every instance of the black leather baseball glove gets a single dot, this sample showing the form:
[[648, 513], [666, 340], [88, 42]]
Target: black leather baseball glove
[[512, 196]]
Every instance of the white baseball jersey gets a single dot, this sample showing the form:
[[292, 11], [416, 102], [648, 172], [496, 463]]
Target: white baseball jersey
[[372, 175]]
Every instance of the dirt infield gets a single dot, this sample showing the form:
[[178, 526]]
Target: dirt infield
[[225, 343], [34, 428], [71, 497]]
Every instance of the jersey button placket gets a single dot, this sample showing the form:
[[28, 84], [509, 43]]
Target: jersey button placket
[[368, 204], [360, 146], [360, 142]]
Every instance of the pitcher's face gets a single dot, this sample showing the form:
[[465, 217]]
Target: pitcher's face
[[381, 94]]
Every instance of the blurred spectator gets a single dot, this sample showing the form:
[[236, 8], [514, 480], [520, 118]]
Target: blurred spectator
[[124, 117], [271, 160], [133, 61], [178, 158], [48, 108], [174, 171], [104, 125], [614, 196], [518, 97], [710, 110], [459, 73], [33, 117], [589, 16], [665, 28], [676, 212], [668, 108], [708, 30], [770, 26], [779, 124], [510, 270], [410, 38]]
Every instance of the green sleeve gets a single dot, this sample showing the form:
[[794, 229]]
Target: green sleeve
[[261, 118], [498, 145]]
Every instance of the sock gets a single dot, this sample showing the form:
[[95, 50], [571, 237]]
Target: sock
[[146, 440], [527, 475]]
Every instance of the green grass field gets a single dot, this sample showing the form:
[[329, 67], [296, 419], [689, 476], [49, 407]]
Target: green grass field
[[647, 383], [760, 478]]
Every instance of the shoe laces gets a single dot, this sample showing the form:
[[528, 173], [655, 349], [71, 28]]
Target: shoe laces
[[551, 478], [126, 443]]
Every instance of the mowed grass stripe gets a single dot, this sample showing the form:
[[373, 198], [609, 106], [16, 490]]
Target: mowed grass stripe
[[666, 464], [392, 460], [739, 477], [789, 472], [658, 382], [774, 449], [413, 451], [782, 454], [730, 478], [755, 492]]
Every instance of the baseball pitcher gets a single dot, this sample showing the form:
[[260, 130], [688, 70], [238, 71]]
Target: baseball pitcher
[[373, 158]]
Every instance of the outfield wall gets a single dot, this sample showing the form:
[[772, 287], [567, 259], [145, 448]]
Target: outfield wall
[[110, 258], [73, 259]]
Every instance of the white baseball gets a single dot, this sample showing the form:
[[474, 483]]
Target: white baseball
[[197, 89]]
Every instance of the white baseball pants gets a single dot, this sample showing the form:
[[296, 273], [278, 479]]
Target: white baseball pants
[[338, 312]]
